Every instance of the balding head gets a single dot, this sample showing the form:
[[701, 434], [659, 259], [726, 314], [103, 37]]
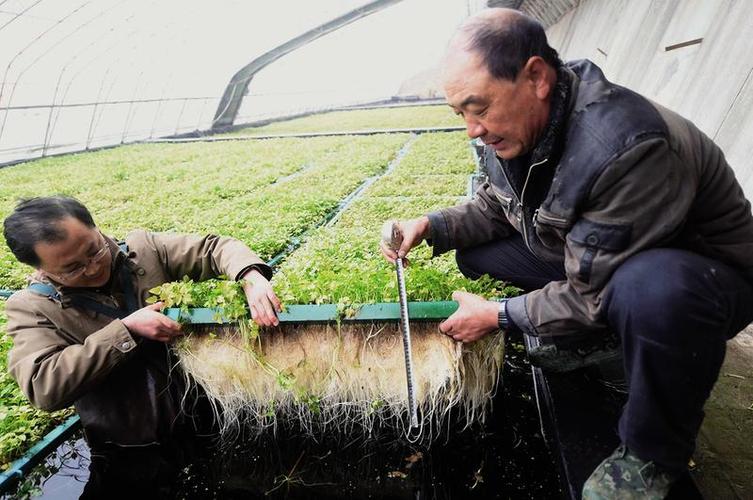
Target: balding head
[[498, 75], [504, 40]]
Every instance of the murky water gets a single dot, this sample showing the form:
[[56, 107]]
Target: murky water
[[505, 459]]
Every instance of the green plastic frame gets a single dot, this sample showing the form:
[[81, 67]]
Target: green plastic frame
[[19, 468], [326, 313]]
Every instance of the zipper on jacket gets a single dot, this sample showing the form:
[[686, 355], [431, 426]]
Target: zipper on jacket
[[504, 200], [553, 221], [514, 194], [522, 197]]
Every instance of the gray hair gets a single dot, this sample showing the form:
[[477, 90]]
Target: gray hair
[[506, 40]]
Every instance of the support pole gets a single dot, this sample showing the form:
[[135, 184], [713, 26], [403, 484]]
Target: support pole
[[236, 89]]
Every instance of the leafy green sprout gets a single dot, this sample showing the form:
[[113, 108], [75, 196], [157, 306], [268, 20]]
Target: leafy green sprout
[[219, 293], [374, 406]]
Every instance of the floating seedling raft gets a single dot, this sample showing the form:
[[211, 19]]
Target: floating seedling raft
[[327, 372]]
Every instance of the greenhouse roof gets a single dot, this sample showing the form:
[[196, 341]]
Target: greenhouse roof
[[80, 74]]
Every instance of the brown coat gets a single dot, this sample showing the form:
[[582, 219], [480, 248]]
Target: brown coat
[[62, 354]]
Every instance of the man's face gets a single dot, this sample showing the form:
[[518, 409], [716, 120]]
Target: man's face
[[508, 116], [82, 259]]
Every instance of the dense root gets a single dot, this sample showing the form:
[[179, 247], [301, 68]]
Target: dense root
[[340, 378]]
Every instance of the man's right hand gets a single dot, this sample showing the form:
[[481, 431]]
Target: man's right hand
[[150, 323], [413, 231]]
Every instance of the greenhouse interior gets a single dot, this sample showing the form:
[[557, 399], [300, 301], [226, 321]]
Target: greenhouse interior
[[257, 169]]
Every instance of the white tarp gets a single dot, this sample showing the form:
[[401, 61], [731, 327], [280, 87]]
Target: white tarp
[[122, 70]]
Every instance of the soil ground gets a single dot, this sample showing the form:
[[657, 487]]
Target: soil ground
[[724, 453]]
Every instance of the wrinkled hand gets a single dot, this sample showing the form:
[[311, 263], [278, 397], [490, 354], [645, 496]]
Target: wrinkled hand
[[413, 232], [474, 318], [262, 301], [150, 323]]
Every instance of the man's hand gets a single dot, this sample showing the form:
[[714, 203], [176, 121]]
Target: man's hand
[[150, 323], [413, 232], [262, 300], [474, 318]]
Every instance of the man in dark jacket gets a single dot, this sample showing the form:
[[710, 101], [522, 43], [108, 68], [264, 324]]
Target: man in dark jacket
[[614, 214]]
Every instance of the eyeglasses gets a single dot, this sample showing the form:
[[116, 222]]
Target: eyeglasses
[[79, 270]]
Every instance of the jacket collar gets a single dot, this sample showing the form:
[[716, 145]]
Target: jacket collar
[[548, 149], [561, 104]]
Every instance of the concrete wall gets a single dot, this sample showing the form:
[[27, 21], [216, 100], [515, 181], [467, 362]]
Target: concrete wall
[[709, 83]]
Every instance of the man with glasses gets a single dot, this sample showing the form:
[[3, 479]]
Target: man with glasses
[[82, 333]]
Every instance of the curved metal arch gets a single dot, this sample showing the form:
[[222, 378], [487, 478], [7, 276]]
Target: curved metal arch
[[231, 100]]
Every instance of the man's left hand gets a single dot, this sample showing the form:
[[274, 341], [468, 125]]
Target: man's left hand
[[474, 318], [262, 301]]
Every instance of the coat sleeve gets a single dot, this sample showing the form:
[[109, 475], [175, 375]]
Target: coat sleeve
[[52, 369], [475, 222], [639, 202], [204, 257]]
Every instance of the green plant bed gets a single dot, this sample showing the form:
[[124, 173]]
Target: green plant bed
[[371, 212], [367, 119], [440, 153], [343, 264], [224, 188], [420, 185], [21, 425], [338, 266]]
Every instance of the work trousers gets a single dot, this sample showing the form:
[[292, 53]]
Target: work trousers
[[673, 311]]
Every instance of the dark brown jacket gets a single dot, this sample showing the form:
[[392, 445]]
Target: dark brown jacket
[[619, 175]]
